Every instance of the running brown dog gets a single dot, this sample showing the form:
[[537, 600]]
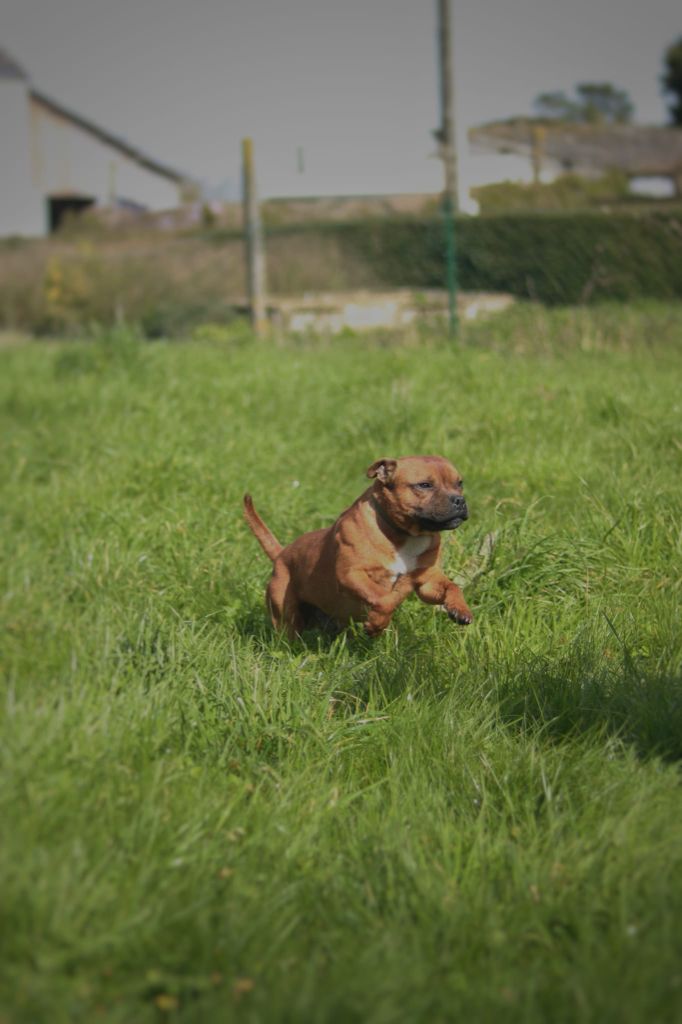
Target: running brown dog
[[380, 550]]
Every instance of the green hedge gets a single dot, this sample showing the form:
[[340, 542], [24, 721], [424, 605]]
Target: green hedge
[[556, 258]]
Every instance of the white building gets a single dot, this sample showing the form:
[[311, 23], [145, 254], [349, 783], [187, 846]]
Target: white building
[[54, 162]]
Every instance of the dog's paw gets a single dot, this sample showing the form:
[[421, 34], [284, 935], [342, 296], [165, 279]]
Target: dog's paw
[[462, 616]]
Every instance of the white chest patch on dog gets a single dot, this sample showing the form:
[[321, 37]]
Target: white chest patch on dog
[[406, 556]]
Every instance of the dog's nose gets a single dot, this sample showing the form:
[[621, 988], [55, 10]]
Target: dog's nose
[[458, 503]]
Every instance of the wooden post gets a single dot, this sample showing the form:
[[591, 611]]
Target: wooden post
[[537, 153], [255, 250]]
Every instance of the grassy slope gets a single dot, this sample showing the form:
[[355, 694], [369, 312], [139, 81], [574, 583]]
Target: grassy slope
[[202, 823]]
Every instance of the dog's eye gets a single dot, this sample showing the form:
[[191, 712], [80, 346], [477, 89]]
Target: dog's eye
[[424, 485]]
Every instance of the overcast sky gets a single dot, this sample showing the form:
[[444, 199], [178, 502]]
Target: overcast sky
[[351, 82]]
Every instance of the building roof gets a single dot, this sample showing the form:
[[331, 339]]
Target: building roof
[[115, 141], [9, 67], [634, 149]]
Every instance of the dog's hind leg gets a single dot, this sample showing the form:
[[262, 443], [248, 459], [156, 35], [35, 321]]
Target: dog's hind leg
[[284, 606]]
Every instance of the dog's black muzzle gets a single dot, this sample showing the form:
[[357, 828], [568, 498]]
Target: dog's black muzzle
[[448, 518]]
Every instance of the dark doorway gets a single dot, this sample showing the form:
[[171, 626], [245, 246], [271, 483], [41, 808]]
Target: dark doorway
[[61, 208]]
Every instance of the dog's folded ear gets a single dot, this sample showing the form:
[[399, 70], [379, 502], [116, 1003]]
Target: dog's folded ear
[[383, 469]]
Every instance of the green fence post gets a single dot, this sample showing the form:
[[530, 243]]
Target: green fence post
[[450, 265]]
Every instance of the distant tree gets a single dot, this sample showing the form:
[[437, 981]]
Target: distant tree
[[672, 80], [556, 106], [593, 103], [602, 102]]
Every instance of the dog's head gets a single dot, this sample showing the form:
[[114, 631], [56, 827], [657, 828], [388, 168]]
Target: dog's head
[[420, 493]]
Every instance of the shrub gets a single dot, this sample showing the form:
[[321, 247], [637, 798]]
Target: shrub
[[568, 192], [554, 258], [167, 285]]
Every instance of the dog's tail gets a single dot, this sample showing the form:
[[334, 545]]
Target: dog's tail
[[267, 540]]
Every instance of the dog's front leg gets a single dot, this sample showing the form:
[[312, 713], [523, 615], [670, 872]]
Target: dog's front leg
[[433, 587], [380, 603], [378, 617]]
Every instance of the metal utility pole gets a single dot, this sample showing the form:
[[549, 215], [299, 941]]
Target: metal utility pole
[[447, 101], [446, 137], [255, 249]]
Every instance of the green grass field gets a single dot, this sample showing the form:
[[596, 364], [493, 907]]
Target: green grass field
[[201, 822]]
